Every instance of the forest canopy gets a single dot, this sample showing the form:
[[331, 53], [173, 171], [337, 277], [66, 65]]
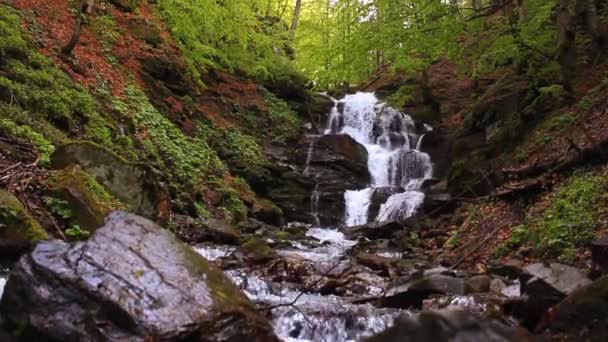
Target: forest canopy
[[346, 41]]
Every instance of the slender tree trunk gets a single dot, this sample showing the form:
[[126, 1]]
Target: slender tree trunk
[[587, 14], [566, 47], [476, 4], [523, 11], [294, 21], [85, 8]]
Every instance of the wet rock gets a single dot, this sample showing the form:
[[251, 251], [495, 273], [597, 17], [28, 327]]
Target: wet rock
[[87, 201], [337, 163], [18, 229], [258, 250], [562, 278], [266, 211], [132, 280], [579, 317], [544, 286], [218, 231], [449, 325], [497, 286], [320, 106], [478, 283], [511, 268], [376, 230], [378, 198], [135, 185], [438, 203], [378, 263], [415, 291]]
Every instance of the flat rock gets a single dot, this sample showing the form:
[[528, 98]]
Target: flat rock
[[131, 281]]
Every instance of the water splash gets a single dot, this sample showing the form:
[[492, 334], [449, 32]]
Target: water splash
[[394, 159]]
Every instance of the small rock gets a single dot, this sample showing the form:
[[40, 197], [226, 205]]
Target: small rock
[[478, 283], [258, 250], [497, 285], [218, 231], [18, 229]]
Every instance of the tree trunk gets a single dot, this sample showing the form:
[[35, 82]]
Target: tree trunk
[[587, 12], [523, 11], [294, 21], [566, 47], [476, 4], [85, 7]]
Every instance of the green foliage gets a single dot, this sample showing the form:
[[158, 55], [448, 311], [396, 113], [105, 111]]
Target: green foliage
[[282, 122], [74, 232], [35, 93], [104, 27], [230, 34], [59, 207], [43, 146], [187, 160], [347, 41], [572, 218], [568, 224]]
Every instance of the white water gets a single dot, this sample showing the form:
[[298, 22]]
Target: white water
[[394, 157]]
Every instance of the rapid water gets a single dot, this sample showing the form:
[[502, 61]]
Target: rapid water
[[394, 156]]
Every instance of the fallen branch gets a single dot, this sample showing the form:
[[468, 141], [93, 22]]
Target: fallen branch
[[474, 249]]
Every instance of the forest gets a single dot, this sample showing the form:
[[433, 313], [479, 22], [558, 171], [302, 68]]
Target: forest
[[303, 170]]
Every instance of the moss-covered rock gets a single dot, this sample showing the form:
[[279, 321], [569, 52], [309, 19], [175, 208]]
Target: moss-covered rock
[[258, 250], [135, 185], [18, 229], [88, 201], [217, 231]]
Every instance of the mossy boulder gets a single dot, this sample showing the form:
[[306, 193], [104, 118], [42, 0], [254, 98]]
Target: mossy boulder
[[131, 280], [88, 201], [135, 185], [218, 231], [258, 250], [18, 229]]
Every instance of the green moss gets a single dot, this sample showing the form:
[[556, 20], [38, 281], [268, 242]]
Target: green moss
[[279, 122], [258, 249], [17, 227], [34, 92], [571, 220], [187, 160], [43, 146], [568, 224], [106, 30], [76, 197]]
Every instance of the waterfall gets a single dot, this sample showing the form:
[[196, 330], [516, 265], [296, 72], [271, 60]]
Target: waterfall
[[314, 205], [394, 156]]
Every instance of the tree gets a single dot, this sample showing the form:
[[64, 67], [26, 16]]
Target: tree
[[83, 9], [294, 20]]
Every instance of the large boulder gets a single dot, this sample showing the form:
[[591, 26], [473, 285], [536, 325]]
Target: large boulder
[[88, 201], [378, 198], [131, 281], [334, 163], [18, 229], [135, 185], [582, 316], [544, 285]]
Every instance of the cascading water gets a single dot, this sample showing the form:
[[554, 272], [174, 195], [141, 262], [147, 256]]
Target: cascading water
[[394, 156]]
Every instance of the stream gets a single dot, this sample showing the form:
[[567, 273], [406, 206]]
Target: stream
[[397, 168]]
